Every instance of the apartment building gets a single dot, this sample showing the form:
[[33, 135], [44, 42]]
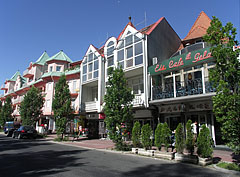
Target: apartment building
[[43, 74], [168, 76]]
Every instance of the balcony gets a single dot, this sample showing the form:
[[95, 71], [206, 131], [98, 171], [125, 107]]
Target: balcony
[[27, 73], [90, 106], [138, 100], [3, 87], [195, 87]]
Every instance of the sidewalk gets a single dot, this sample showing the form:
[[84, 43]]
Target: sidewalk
[[220, 153]]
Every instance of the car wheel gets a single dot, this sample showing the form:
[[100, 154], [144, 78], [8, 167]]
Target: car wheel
[[8, 133], [19, 136]]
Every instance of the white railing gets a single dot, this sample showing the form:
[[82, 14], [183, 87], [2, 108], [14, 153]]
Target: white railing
[[138, 100], [90, 106]]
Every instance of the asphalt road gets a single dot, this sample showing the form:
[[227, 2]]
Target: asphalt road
[[33, 158]]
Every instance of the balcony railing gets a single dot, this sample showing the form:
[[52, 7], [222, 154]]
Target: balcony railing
[[138, 100], [89, 106], [185, 88], [27, 73]]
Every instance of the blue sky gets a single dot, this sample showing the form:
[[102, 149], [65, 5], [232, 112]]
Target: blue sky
[[29, 27]]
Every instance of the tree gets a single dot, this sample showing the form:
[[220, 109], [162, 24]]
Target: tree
[[226, 79], [204, 143], [62, 105], [189, 137], [158, 136], [166, 133], [180, 139], [31, 106], [136, 134], [118, 106], [7, 110], [146, 133]]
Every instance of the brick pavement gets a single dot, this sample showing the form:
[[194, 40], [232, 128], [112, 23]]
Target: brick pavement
[[219, 153]]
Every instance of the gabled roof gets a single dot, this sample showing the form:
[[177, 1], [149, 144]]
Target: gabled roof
[[147, 30], [199, 28], [130, 24], [14, 77], [60, 56], [42, 59]]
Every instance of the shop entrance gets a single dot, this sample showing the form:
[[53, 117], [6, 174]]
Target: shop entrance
[[173, 121]]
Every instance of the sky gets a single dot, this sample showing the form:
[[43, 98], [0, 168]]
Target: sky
[[29, 27]]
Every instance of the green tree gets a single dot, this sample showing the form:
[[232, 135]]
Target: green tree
[[118, 107], [31, 106], [189, 137], [166, 133], [226, 79], [158, 136], [7, 110], [136, 134], [180, 138], [204, 143], [146, 133], [62, 105]]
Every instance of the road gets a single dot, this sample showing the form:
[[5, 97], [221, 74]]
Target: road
[[33, 158]]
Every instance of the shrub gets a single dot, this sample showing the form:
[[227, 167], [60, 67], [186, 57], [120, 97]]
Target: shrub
[[166, 133], [146, 134], [136, 134], [189, 137], [179, 138], [204, 143], [158, 136]]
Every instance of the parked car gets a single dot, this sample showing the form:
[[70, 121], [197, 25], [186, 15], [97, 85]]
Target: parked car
[[25, 131], [10, 127]]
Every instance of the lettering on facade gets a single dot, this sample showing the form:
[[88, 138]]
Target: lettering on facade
[[175, 64], [161, 68]]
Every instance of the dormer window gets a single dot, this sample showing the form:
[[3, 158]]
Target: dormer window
[[50, 69], [58, 68]]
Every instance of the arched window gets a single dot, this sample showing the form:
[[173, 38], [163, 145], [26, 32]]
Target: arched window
[[90, 66], [110, 55]]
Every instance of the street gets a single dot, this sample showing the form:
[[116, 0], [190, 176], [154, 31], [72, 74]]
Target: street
[[42, 158]]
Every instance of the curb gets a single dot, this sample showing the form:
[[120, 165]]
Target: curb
[[226, 170]]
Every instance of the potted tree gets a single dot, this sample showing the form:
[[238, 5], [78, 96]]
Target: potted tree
[[136, 135], [180, 145], [146, 134], [204, 146], [163, 138]]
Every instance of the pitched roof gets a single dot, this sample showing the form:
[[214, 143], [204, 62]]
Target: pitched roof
[[199, 28], [129, 23], [147, 30], [14, 77], [42, 59], [60, 56]]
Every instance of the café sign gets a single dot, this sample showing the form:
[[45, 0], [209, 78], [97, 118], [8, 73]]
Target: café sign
[[181, 61]]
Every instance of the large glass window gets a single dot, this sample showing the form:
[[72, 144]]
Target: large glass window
[[110, 55], [131, 50], [136, 85], [90, 66]]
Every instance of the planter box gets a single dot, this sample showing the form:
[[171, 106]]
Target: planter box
[[135, 150], [145, 152], [186, 158], [204, 161], [164, 155]]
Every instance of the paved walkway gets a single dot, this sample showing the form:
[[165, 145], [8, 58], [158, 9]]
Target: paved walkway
[[220, 153]]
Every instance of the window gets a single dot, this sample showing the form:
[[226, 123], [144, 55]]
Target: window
[[136, 85], [90, 67], [95, 94], [58, 68], [131, 50], [110, 55], [50, 70]]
